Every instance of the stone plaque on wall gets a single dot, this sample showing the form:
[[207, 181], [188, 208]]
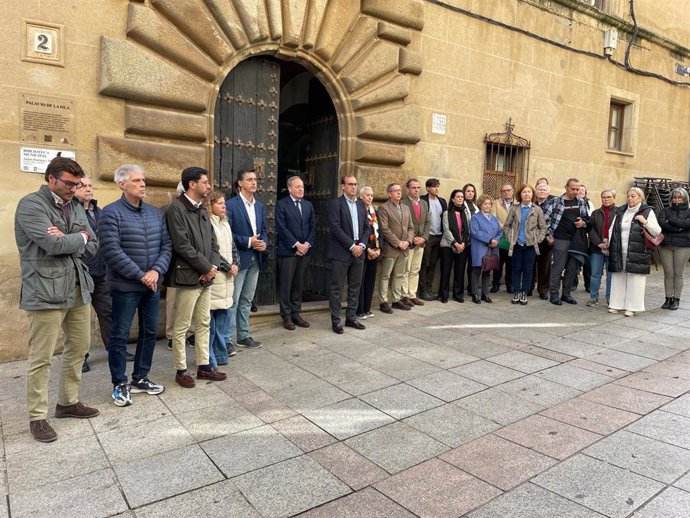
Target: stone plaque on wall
[[47, 121]]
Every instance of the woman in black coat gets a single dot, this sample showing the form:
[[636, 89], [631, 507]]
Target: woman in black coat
[[455, 249], [675, 250]]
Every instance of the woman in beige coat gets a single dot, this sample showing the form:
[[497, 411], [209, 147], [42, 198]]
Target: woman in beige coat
[[220, 346], [525, 228]]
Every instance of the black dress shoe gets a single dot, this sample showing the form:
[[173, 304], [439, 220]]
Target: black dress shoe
[[288, 324], [355, 323], [568, 299], [85, 366], [555, 300], [461, 300], [299, 321], [530, 293], [338, 329], [385, 307], [129, 357], [476, 300], [444, 301], [544, 296], [495, 288], [509, 289], [487, 299], [401, 305]]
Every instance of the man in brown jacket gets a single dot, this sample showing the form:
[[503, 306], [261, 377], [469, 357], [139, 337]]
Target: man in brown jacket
[[419, 210], [397, 234], [500, 209]]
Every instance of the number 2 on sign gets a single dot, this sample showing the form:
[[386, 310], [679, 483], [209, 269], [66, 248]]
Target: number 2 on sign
[[43, 43]]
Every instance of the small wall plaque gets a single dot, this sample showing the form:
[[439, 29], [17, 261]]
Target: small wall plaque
[[43, 42]]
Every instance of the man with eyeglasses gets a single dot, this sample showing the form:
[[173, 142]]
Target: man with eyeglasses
[[347, 222], [600, 221], [500, 209], [54, 238]]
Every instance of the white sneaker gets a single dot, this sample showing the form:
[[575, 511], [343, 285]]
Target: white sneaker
[[629, 313], [370, 315], [611, 310]]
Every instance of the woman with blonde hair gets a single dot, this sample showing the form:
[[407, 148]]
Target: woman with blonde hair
[[366, 291], [675, 250], [220, 345], [629, 258]]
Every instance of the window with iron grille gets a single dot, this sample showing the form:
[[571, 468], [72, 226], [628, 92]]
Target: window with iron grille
[[506, 160]]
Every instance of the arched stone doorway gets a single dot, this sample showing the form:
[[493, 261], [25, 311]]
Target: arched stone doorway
[[277, 116]]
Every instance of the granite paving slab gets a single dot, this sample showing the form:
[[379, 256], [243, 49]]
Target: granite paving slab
[[478, 348], [204, 394], [647, 348], [530, 501], [539, 390], [596, 337], [499, 406], [438, 355], [435, 489], [290, 487], [367, 503], [620, 360], [524, 362], [679, 406], [221, 499], [144, 408], [655, 383], [451, 424], [599, 368], [349, 466], [446, 385], [591, 416], [304, 396], [574, 377], [144, 439], [4, 513], [672, 503], [400, 401], [571, 346], [487, 373], [396, 446], [664, 426], [683, 483], [175, 472], [626, 398], [607, 489], [94, 494], [673, 368], [249, 450], [348, 418], [264, 406], [498, 461], [548, 436], [303, 433], [30, 468], [388, 361], [648, 457], [215, 421]]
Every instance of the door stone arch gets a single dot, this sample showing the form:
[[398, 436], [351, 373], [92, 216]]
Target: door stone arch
[[177, 52]]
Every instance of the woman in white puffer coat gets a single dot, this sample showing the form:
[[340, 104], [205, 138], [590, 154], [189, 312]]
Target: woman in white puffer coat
[[220, 346]]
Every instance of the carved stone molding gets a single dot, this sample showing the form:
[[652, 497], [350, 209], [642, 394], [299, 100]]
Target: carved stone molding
[[177, 53]]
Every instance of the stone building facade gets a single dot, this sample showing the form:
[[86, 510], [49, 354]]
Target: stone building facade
[[463, 90]]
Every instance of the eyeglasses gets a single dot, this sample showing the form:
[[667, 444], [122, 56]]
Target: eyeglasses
[[70, 185]]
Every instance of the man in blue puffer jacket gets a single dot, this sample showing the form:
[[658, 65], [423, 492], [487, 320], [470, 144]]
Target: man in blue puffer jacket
[[137, 249]]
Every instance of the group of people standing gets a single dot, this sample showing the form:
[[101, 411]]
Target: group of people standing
[[209, 250]]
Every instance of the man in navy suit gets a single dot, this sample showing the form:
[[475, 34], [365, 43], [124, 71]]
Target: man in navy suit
[[296, 229], [347, 222], [248, 222]]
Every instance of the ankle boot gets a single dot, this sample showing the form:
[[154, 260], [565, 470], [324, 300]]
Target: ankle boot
[[667, 303], [674, 303]]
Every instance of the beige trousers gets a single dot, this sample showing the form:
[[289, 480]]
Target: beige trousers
[[44, 331], [191, 303], [411, 279], [392, 267]]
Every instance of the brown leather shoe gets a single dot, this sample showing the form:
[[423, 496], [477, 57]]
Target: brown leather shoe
[[185, 380], [416, 302], [288, 324], [212, 375], [401, 305], [78, 410], [42, 431], [299, 321], [407, 301]]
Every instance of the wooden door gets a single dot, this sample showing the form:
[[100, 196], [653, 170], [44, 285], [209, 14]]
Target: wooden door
[[246, 133]]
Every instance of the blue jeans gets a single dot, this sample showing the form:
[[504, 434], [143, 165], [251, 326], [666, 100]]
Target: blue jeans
[[599, 264], [218, 337], [245, 286], [523, 267], [125, 304]]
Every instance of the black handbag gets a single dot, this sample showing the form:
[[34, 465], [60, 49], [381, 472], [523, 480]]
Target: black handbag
[[490, 261]]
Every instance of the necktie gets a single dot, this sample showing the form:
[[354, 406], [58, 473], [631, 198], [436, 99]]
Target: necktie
[[299, 207]]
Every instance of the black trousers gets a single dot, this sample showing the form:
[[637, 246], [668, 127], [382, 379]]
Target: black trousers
[[562, 260], [366, 291], [458, 263], [103, 305], [429, 260], [349, 271], [292, 270], [504, 260], [485, 277]]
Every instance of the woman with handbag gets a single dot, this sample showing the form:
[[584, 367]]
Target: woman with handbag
[[366, 291], [485, 231], [454, 248], [629, 255], [675, 250], [525, 228]]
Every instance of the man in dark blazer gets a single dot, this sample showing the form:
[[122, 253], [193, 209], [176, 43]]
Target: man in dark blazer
[[347, 222], [296, 230], [437, 206], [248, 222]]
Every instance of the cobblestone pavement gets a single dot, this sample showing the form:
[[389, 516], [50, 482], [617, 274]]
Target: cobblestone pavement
[[447, 410]]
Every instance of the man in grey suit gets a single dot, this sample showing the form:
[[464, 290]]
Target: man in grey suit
[[397, 235], [419, 210]]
